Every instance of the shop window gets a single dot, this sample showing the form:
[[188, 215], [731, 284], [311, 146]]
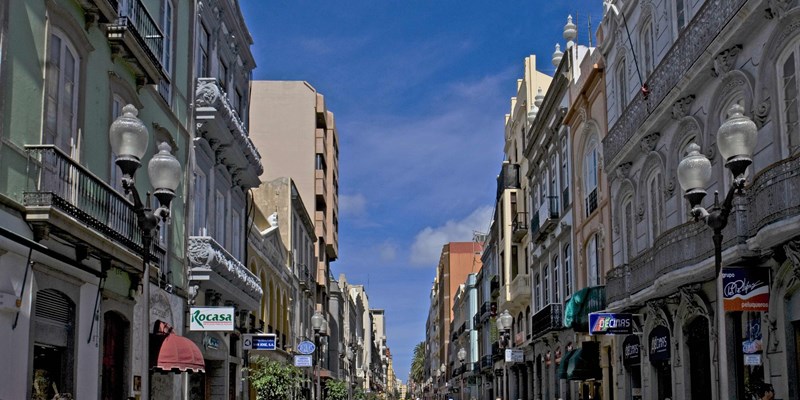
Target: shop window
[[697, 341]]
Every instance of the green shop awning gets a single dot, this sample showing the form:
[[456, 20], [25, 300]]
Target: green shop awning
[[584, 364], [562, 368], [583, 302]]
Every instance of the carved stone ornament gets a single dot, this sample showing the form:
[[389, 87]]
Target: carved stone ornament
[[639, 213], [689, 302], [682, 106], [669, 187], [655, 314], [624, 170], [207, 93], [649, 142], [725, 61], [761, 113], [777, 8], [204, 251], [711, 152]]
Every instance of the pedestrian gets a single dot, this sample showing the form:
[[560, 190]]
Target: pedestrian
[[765, 392]]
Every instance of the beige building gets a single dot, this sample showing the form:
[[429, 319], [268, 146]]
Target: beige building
[[293, 129]]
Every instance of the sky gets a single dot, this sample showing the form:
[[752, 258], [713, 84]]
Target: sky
[[419, 90]]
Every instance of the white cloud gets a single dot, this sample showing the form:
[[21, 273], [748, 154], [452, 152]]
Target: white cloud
[[387, 251], [352, 205], [428, 242]]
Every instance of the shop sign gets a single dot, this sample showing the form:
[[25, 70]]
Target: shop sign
[[745, 289], [211, 319], [303, 361], [659, 344], [752, 359], [515, 355], [210, 342], [631, 354], [610, 324], [263, 341], [306, 347]]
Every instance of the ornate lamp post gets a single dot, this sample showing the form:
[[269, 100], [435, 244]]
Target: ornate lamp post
[[320, 326], [462, 355], [129, 140], [504, 322], [736, 139]]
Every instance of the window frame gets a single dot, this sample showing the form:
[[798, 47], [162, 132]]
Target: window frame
[[590, 178], [56, 135]]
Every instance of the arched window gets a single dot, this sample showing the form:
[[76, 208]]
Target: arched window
[[788, 92], [622, 86], [564, 173], [593, 262], [61, 93], [537, 291], [553, 176], [546, 285], [655, 204], [647, 48], [556, 280], [590, 179], [567, 270], [627, 229]]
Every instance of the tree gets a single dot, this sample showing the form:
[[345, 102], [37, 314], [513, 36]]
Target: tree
[[418, 363], [273, 380], [335, 390]]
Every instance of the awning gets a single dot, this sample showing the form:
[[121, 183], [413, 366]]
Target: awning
[[583, 302], [562, 368], [175, 352], [584, 364]]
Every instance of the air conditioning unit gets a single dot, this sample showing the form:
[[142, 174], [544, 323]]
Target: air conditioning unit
[[8, 302]]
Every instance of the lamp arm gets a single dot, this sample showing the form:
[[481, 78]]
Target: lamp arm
[[146, 218]]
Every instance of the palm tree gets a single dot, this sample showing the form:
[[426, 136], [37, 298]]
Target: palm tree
[[417, 373]]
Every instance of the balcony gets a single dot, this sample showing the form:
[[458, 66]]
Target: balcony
[[497, 352], [305, 279], [521, 287], [135, 35], [206, 256], [508, 178], [320, 226], [66, 199], [771, 197], [545, 219], [548, 319], [519, 227], [219, 124], [107, 9], [494, 285], [486, 362], [488, 309], [321, 143], [320, 186]]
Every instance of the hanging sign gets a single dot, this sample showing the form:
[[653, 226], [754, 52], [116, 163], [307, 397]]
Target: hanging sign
[[745, 288], [610, 323], [306, 347], [631, 354], [261, 341], [211, 319], [303, 361], [659, 344]]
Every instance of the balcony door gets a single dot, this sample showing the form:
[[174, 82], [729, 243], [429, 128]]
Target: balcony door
[[61, 94]]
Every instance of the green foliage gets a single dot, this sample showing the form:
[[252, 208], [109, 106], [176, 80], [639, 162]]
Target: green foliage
[[358, 394], [274, 380], [417, 373], [335, 390]]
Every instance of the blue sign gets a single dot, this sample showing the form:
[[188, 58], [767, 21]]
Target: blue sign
[[303, 361], [259, 342], [659, 344], [610, 323], [306, 347]]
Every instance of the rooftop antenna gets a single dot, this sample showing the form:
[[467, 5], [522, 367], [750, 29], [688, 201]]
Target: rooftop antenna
[[590, 29]]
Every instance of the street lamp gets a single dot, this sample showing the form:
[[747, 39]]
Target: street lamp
[[320, 326], [129, 141], [504, 322], [462, 355], [736, 139]]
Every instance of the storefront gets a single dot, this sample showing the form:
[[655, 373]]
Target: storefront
[[632, 362]]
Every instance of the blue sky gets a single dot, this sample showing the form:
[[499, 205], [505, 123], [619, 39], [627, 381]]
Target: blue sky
[[419, 89]]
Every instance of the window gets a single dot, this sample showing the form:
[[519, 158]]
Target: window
[[787, 71], [200, 204], [567, 271], [61, 94], [680, 14], [590, 180], [537, 291], [647, 48], [593, 262], [553, 175], [219, 217], [655, 205], [115, 175], [627, 229], [202, 57], [546, 285], [564, 173], [236, 235], [165, 87], [222, 75], [556, 281], [622, 86]]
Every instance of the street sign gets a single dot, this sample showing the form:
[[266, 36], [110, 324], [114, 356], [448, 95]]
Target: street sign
[[306, 347], [515, 355], [261, 341], [610, 323], [303, 361]]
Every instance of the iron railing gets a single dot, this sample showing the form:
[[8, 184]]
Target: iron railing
[[547, 319], [56, 180], [519, 227], [486, 361], [137, 20]]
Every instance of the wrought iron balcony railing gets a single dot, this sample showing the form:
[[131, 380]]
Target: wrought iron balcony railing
[[544, 219], [486, 362], [519, 227], [547, 319], [204, 251], [138, 33], [56, 180]]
